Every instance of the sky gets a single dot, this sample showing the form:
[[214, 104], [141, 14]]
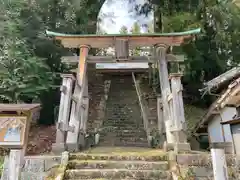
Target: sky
[[119, 11]]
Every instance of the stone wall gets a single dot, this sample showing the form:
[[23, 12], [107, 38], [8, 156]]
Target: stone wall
[[150, 104], [199, 166], [120, 103], [34, 167], [96, 102]]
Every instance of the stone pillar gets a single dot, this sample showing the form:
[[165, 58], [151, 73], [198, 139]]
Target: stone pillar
[[161, 127], [178, 107], [165, 89], [64, 110], [179, 124]]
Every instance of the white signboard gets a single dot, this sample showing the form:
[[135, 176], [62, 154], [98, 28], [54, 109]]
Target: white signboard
[[121, 65]]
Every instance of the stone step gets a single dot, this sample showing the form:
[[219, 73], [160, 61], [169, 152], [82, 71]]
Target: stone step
[[123, 129], [117, 173], [133, 138], [125, 179], [120, 157], [131, 165], [124, 125], [120, 121], [131, 144], [136, 135], [123, 143], [141, 178]]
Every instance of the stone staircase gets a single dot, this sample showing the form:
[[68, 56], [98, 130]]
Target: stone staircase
[[123, 124], [134, 166]]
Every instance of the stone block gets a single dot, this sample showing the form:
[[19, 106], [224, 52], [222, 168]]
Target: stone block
[[33, 176], [5, 169], [34, 165], [194, 160], [58, 148], [182, 147], [227, 146], [51, 162]]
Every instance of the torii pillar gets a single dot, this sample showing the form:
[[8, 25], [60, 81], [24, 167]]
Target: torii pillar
[[165, 89]]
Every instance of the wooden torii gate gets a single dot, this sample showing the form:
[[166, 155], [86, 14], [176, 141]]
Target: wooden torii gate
[[71, 126]]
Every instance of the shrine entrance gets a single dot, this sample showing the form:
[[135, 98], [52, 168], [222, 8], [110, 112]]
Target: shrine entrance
[[74, 107]]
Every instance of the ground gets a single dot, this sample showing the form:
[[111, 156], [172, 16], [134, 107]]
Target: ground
[[40, 139]]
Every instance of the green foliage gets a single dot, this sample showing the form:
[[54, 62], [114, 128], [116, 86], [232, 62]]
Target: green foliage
[[136, 30], [214, 51], [123, 30], [30, 62], [1, 165], [22, 76]]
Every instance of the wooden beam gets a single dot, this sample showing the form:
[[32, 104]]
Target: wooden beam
[[113, 71], [161, 127], [111, 59], [135, 40], [72, 137], [121, 49], [82, 65], [84, 115], [64, 110], [105, 42]]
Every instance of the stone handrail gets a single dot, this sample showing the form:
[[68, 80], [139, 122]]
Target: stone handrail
[[143, 110]]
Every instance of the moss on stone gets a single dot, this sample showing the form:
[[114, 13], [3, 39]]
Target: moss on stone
[[193, 115], [56, 173]]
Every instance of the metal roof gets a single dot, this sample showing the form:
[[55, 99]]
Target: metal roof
[[190, 32]]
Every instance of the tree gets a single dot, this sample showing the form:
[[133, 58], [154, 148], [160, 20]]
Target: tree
[[23, 76], [136, 29], [123, 30], [30, 19], [214, 51]]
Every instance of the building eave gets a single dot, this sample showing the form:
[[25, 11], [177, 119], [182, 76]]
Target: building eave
[[232, 92]]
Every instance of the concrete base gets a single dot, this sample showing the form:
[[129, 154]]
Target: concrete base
[[81, 141], [227, 146], [72, 147], [182, 147], [58, 148], [176, 147]]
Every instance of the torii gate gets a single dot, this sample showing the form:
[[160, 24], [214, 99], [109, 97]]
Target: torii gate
[[71, 127]]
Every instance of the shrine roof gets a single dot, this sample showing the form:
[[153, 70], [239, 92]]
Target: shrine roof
[[18, 107], [134, 40], [190, 32]]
